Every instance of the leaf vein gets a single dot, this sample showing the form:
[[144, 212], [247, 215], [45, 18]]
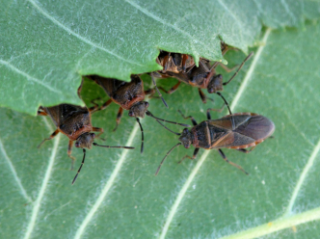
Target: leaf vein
[[37, 204], [107, 187], [89, 42], [302, 178], [158, 19], [14, 172], [204, 156], [277, 225], [13, 68]]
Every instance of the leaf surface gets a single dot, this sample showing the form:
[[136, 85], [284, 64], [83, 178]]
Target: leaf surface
[[117, 193], [46, 47]]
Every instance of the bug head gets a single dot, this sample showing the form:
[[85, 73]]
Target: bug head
[[215, 84], [139, 109], [85, 140], [186, 138]]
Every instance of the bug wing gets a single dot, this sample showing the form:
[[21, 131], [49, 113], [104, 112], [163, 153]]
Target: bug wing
[[183, 77], [249, 130], [54, 112], [257, 127], [109, 85], [69, 117]]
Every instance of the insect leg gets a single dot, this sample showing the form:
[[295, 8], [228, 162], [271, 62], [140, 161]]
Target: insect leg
[[142, 135], [96, 129], [184, 60], [227, 69], [236, 73], [233, 164], [51, 137], [84, 156], [225, 48], [95, 107], [80, 88], [202, 96], [173, 89], [196, 151], [42, 111], [73, 159], [168, 121], [160, 95], [246, 150], [194, 122], [211, 109], [105, 105], [166, 62], [119, 115]]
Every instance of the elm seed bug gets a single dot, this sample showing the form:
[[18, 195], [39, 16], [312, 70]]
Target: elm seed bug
[[204, 77], [182, 67], [128, 95], [249, 130], [74, 122]]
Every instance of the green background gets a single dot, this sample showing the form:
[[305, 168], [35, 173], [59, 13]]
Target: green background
[[117, 194]]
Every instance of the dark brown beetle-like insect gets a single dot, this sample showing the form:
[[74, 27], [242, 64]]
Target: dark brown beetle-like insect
[[128, 95], [237, 131], [202, 77], [74, 122], [181, 63]]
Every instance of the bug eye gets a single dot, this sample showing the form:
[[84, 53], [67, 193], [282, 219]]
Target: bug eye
[[146, 104], [77, 144], [131, 114]]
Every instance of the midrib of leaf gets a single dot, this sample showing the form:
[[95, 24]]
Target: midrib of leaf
[[302, 178], [14, 173], [277, 225], [13, 68], [68, 30], [288, 219], [107, 187], [204, 156], [37, 203]]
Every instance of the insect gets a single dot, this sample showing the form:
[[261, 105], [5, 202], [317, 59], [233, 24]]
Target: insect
[[203, 77], [179, 63], [74, 122], [249, 130], [128, 95]]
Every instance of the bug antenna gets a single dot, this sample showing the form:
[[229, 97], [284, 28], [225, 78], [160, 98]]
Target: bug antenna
[[178, 144], [168, 128], [236, 73], [167, 121], [116, 147], [142, 135], [84, 156], [227, 104], [225, 101], [160, 95]]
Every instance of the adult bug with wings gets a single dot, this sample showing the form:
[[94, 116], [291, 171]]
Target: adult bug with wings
[[236, 131]]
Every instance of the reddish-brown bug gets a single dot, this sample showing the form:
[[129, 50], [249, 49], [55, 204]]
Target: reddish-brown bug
[[203, 77], [128, 95], [74, 122], [237, 131], [180, 63]]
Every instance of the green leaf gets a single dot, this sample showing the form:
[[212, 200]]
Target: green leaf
[[117, 195], [46, 46]]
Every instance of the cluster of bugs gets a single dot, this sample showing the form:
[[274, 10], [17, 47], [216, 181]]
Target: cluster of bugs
[[236, 131]]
